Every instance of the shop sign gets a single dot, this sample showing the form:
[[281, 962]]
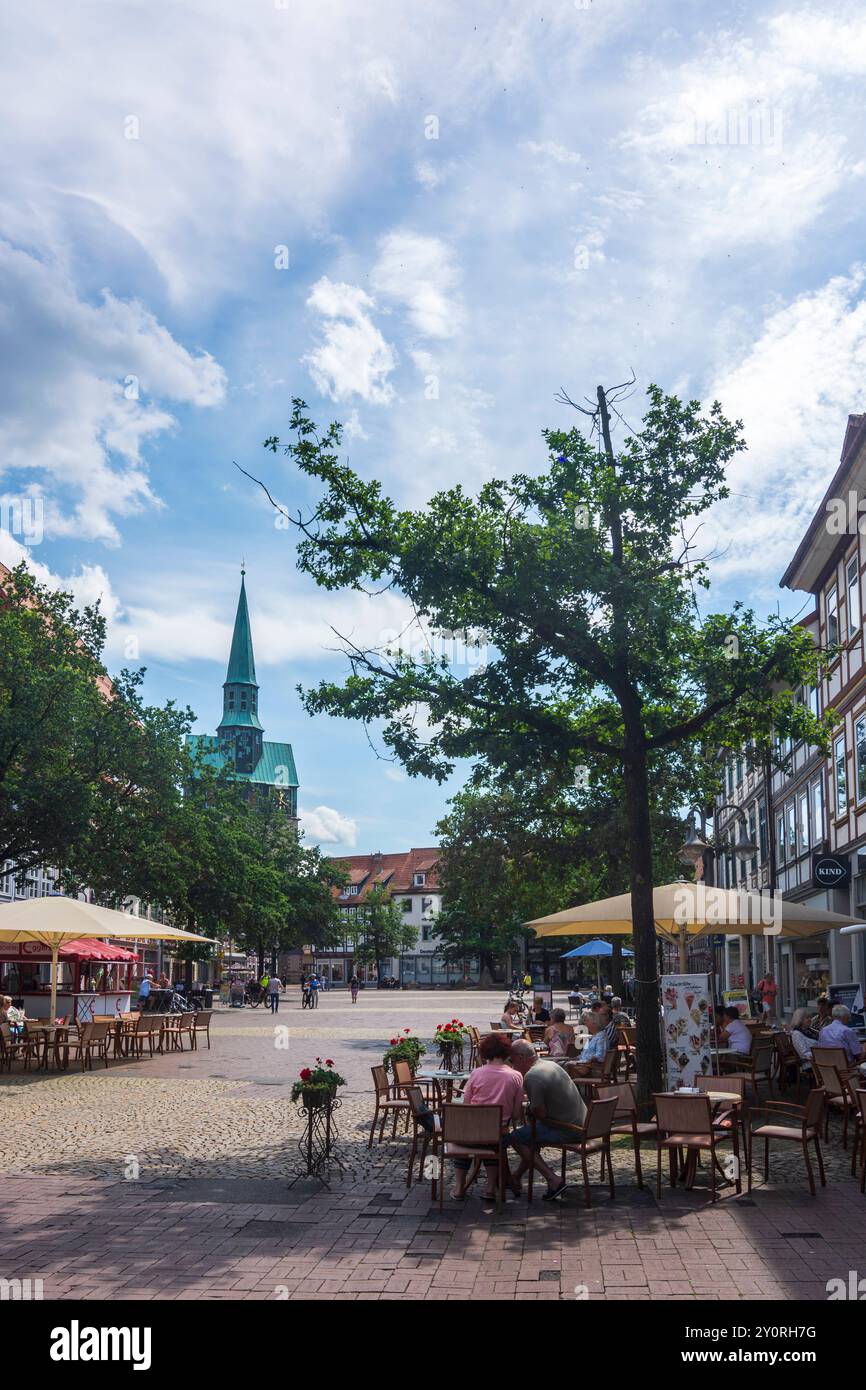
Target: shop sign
[[831, 871]]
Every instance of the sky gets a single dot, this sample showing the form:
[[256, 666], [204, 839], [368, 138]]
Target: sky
[[424, 219]]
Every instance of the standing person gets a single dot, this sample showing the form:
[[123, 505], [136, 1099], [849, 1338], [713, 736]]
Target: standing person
[[354, 985], [515, 980], [768, 989], [144, 991], [314, 990], [275, 989], [527, 981]]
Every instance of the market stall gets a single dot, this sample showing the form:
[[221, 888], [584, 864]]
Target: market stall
[[93, 978]]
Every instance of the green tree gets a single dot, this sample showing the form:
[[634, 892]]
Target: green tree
[[582, 581], [379, 929]]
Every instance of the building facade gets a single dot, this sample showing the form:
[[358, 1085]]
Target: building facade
[[816, 805], [411, 879]]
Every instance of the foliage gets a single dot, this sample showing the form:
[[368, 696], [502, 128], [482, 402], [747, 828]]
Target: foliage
[[450, 1034], [582, 581], [407, 1048], [379, 929], [322, 1078]]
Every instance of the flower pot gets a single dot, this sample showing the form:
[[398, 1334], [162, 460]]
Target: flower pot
[[314, 1097]]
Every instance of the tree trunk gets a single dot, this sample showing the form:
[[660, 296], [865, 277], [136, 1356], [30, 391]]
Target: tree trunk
[[648, 1038]]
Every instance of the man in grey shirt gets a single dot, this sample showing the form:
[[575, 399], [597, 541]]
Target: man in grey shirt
[[554, 1101]]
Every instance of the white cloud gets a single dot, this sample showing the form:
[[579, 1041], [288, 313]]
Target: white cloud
[[549, 149], [353, 359], [793, 386], [81, 395], [326, 826], [419, 273]]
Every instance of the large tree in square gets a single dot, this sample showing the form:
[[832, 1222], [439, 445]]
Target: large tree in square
[[580, 579]]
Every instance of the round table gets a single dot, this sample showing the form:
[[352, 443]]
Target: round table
[[449, 1077]]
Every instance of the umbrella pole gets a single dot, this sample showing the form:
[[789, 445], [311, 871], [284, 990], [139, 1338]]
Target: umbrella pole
[[55, 951], [598, 972]]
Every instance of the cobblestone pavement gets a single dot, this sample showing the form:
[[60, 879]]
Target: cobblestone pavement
[[212, 1214]]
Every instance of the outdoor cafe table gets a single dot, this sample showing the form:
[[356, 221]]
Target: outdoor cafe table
[[449, 1077], [716, 1098], [53, 1038]]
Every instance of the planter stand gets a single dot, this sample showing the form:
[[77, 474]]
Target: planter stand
[[318, 1144]]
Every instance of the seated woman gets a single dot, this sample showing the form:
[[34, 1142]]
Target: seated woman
[[734, 1033], [511, 1015], [558, 1036], [800, 1039], [594, 1050], [494, 1082]]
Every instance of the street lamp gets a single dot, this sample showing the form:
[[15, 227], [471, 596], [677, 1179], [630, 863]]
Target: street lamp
[[697, 847]]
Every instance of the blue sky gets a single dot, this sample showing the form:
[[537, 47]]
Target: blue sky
[[504, 197]]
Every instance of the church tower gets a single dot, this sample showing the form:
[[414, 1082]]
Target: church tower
[[240, 732], [267, 768]]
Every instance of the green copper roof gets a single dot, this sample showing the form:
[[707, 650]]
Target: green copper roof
[[275, 768], [242, 666], [239, 719]]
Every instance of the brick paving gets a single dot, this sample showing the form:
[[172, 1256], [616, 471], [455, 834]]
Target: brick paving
[[211, 1214]]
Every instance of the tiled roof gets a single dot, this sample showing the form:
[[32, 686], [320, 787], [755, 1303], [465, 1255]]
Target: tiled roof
[[394, 870], [275, 768]]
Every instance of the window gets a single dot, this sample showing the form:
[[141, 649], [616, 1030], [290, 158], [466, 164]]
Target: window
[[243, 699], [832, 617], [780, 839], [407, 904], [231, 699], [791, 820], [352, 890], [730, 779], [841, 780], [762, 829], [860, 757], [754, 864], [852, 580], [427, 931], [817, 812], [739, 769], [419, 880], [814, 701], [802, 823]]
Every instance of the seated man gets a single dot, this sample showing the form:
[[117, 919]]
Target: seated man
[[555, 1104], [620, 1019], [604, 1019], [838, 1034], [594, 1050], [734, 1033], [539, 1013]]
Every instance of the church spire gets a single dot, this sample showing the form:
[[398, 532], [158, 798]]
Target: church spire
[[240, 731]]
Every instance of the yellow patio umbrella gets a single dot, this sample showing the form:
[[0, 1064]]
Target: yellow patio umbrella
[[54, 920], [683, 910]]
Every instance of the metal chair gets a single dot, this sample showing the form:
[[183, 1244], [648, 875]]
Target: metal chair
[[473, 1132], [592, 1137], [804, 1132], [686, 1122]]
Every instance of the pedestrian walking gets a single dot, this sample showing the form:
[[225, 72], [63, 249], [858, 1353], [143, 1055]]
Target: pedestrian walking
[[275, 989], [354, 985]]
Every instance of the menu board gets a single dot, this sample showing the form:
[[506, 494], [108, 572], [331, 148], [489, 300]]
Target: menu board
[[851, 995], [739, 1000], [686, 1013]]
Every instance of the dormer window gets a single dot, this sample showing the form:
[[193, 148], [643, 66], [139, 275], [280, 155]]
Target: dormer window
[[352, 890], [419, 880]]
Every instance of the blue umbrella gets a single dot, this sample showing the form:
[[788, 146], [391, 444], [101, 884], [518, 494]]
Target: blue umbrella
[[596, 948]]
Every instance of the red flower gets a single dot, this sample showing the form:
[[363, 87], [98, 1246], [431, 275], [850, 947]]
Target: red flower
[[329, 1061], [393, 1042], [305, 1074], [406, 1030]]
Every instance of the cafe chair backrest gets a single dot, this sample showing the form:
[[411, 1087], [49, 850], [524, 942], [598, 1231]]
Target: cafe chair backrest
[[599, 1118], [623, 1093], [472, 1124], [813, 1111], [679, 1114]]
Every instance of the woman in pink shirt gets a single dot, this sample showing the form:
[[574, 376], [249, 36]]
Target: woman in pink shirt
[[493, 1083]]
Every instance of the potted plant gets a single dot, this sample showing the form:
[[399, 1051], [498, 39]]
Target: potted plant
[[317, 1085], [449, 1040], [404, 1048]]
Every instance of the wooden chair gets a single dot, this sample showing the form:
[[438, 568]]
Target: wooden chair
[[91, 1037], [201, 1025], [15, 1047], [758, 1065], [419, 1107], [804, 1131], [839, 1096], [788, 1060], [403, 1078], [474, 1132], [592, 1137], [386, 1104], [495, 1027], [474, 1043], [627, 1049], [147, 1028], [736, 1114], [686, 1122], [835, 1057], [626, 1120]]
